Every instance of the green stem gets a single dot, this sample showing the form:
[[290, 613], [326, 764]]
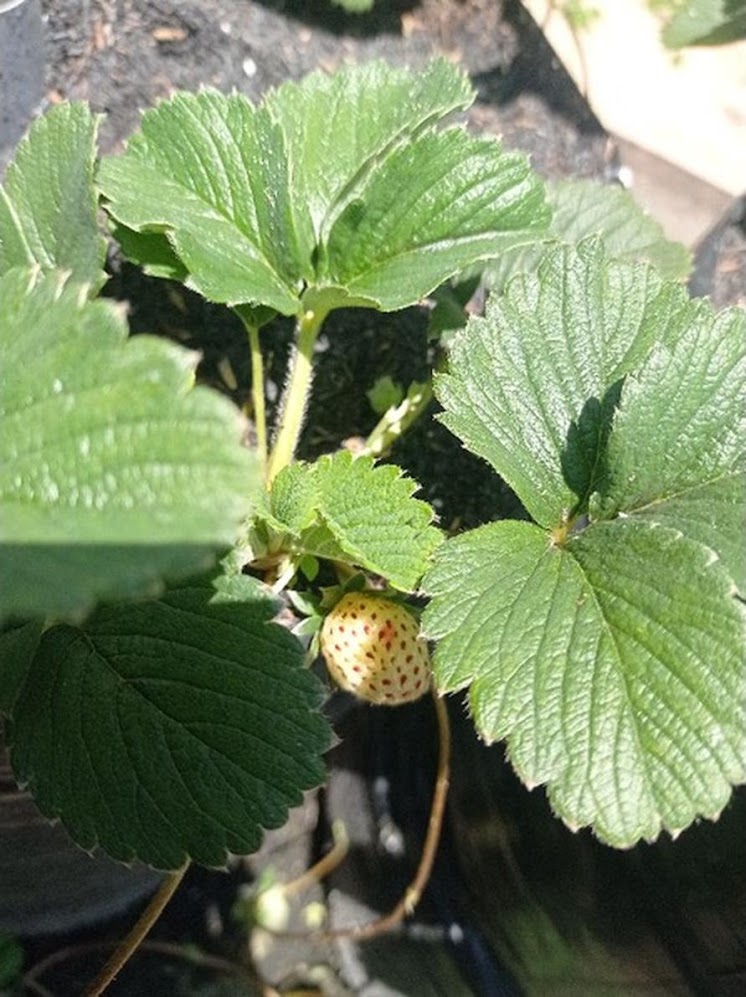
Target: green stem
[[396, 421], [257, 394], [293, 405]]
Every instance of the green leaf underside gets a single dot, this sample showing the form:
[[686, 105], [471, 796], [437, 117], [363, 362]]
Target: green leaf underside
[[48, 203], [533, 385], [614, 668], [677, 450], [582, 208], [706, 22], [349, 510], [171, 729], [261, 203], [112, 472], [152, 251]]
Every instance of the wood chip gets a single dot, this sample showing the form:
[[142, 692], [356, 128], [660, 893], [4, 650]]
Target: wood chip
[[168, 33]]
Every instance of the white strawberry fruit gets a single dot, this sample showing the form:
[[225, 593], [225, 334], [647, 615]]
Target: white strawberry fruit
[[373, 649]]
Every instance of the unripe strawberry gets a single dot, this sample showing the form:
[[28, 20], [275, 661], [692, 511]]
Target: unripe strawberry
[[373, 649]]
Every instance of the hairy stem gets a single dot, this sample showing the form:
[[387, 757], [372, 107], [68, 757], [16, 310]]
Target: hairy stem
[[127, 948], [396, 420], [257, 394], [293, 406]]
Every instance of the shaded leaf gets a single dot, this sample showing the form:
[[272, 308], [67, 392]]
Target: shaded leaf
[[706, 22], [172, 729], [582, 208]]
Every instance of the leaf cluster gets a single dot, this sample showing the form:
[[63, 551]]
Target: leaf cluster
[[153, 702]]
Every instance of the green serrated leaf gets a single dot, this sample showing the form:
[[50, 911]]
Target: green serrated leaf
[[582, 208], [434, 207], [533, 385], [210, 170], [337, 192], [48, 203], [677, 450], [613, 666], [706, 22], [114, 470], [172, 729], [338, 128], [348, 509]]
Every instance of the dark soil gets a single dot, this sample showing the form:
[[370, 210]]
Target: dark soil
[[608, 922]]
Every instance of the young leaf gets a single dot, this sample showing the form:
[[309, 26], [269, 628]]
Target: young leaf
[[349, 510], [113, 470], [48, 203], [613, 666], [533, 385], [171, 729], [677, 449], [582, 208], [301, 199]]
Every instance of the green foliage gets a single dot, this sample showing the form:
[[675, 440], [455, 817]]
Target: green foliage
[[112, 472], [355, 6], [581, 208], [603, 641], [532, 386], [290, 205], [706, 22], [352, 511], [171, 729], [48, 206], [11, 960]]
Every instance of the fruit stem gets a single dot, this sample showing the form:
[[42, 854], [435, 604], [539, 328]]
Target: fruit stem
[[414, 891], [127, 948]]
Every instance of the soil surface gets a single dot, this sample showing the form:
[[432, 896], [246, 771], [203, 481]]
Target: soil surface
[[629, 923]]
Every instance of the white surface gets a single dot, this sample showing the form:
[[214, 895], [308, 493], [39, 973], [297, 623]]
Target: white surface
[[688, 108]]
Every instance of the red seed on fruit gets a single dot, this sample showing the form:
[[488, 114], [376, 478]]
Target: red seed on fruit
[[377, 663]]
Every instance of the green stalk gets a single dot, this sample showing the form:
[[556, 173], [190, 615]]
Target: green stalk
[[296, 393], [396, 420], [257, 394]]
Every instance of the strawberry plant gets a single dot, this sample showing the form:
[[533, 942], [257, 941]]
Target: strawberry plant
[[152, 701]]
